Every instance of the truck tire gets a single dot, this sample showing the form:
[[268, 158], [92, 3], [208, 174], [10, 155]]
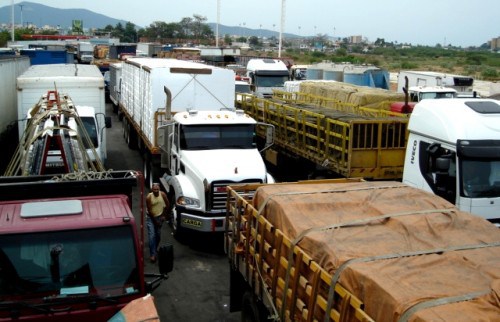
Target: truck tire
[[125, 130], [154, 170], [131, 137], [251, 311]]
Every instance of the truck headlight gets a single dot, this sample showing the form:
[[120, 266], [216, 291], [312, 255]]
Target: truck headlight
[[189, 202]]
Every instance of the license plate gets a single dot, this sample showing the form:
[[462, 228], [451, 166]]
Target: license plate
[[191, 222]]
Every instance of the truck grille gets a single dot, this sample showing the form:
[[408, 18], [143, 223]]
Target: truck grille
[[219, 193]]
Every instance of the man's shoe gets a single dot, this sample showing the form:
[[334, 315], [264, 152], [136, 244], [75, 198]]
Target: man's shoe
[[152, 259]]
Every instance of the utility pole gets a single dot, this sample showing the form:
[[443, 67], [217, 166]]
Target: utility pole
[[217, 25], [21, 5], [12, 19], [283, 5]]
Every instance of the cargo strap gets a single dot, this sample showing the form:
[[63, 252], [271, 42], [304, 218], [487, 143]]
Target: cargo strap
[[294, 243], [341, 268], [441, 301]]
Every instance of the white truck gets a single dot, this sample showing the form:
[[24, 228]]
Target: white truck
[[115, 75], [85, 52], [10, 68], [83, 83], [148, 49], [266, 75], [453, 151], [418, 93], [203, 143], [462, 84]]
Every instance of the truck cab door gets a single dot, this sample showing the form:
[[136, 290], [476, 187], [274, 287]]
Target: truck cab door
[[168, 139]]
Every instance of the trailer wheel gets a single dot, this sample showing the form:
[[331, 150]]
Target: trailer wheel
[[154, 170], [251, 310], [131, 137], [125, 130]]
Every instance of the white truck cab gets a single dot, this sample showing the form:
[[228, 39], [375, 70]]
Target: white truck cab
[[454, 151], [418, 93], [266, 74], [203, 152]]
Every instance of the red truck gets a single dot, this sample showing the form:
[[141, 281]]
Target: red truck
[[70, 249]]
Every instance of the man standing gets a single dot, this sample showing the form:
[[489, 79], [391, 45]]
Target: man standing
[[157, 207]]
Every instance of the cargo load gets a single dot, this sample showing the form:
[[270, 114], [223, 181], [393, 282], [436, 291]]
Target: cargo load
[[359, 251]]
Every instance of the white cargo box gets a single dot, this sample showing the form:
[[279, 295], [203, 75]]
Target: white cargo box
[[193, 86], [83, 83]]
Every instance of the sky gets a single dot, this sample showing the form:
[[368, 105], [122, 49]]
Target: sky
[[419, 22]]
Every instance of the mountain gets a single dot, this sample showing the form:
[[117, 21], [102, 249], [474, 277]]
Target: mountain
[[247, 32], [42, 15]]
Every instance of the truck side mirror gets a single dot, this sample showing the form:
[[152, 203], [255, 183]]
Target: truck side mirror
[[442, 164], [269, 134]]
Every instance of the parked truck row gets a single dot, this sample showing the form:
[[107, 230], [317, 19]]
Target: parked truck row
[[433, 148], [358, 251], [181, 116]]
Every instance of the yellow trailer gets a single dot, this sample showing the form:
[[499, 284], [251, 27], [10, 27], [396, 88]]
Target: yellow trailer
[[351, 141]]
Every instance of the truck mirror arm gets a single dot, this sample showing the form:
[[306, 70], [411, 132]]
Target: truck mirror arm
[[155, 283]]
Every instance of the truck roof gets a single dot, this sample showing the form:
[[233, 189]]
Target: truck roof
[[432, 89], [61, 70], [64, 213], [213, 117], [456, 118], [149, 62], [266, 64]]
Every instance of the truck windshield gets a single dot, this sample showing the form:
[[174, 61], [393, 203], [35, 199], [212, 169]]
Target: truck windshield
[[480, 178], [212, 137], [91, 128], [435, 95], [98, 262], [270, 81]]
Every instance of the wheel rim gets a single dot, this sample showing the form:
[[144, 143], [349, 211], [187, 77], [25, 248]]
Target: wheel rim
[[175, 224]]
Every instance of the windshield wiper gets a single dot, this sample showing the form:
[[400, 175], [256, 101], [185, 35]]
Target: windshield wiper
[[75, 298], [14, 306]]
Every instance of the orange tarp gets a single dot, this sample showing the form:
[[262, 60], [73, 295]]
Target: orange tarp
[[397, 248]]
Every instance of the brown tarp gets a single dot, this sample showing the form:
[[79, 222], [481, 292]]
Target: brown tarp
[[348, 93], [421, 235]]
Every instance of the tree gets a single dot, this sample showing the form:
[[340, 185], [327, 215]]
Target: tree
[[227, 39], [4, 38], [254, 41], [197, 26], [185, 25], [379, 42], [129, 34]]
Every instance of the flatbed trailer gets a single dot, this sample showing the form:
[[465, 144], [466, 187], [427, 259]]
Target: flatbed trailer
[[355, 250], [349, 140]]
